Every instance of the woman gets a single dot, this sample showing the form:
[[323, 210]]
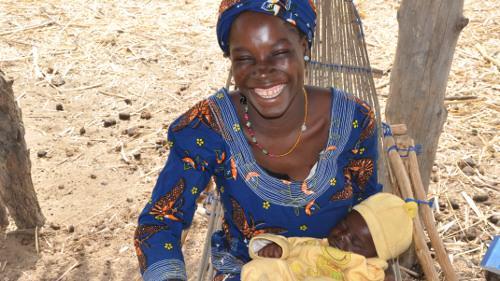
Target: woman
[[287, 158]]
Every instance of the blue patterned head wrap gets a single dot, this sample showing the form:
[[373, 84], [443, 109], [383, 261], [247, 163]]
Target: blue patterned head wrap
[[299, 13]]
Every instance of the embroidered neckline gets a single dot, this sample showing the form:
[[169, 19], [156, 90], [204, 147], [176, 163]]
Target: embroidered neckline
[[248, 125], [274, 190]]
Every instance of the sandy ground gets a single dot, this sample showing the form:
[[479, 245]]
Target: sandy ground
[[157, 58]]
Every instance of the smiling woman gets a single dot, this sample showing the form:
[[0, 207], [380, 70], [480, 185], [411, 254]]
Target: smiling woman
[[287, 158], [268, 67]]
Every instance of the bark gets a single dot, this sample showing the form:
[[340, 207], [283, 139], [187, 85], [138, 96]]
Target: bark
[[4, 222], [428, 34], [16, 186]]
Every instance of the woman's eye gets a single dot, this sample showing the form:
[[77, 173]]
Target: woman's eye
[[244, 59], [281, 53]]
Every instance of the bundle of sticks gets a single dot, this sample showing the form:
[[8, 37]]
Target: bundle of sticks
[[407, 183]]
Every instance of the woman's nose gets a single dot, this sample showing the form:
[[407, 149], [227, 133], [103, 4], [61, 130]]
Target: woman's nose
[[262, 69]]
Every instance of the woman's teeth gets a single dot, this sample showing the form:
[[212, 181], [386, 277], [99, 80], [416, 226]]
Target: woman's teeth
[[270, 93]]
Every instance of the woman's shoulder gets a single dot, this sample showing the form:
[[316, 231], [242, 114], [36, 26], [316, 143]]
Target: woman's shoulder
[[335, 96], [360, 104], [234, 96], [324, 93], [363, 115], [203, 115]]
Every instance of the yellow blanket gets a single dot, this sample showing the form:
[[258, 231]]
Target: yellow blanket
[[309, 259]]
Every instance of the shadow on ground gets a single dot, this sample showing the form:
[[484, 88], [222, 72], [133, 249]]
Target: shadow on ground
[[17, 254]]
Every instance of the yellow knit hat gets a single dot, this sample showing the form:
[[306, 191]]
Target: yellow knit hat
[[390, 221]]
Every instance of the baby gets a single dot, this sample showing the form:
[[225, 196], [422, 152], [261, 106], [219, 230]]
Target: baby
[[380, 228]]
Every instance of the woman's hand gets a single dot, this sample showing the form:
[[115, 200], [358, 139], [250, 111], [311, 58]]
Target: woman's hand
[[271, 250]]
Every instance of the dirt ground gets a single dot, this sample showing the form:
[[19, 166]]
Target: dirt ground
[[78, 64]]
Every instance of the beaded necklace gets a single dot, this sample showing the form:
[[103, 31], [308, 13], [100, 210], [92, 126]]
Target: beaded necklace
[[253, 139], [275, 190]]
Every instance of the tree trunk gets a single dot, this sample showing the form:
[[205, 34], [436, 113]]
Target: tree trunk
[[16, 186], [4, 222], [428, 34]]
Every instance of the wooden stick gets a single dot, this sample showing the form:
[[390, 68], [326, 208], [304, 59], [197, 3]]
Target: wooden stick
[[155, 170], [428, 218], [36, 241], [489, 58], [184, 236], [27, 28], [449, 102], [4, 266], [111, 95], [454, 98], [423, 253], [68, 270], [211, 224], [410, 272], [81, 88]]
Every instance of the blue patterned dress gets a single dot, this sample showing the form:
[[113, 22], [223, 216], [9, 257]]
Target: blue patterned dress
[[208, 141]]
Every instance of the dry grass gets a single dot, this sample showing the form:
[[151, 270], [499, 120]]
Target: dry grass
[[91, 56]]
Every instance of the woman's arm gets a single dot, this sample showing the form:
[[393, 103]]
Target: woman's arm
[[363, 166], [173, 202]]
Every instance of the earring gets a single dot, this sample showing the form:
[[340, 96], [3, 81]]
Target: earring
[[307, 58]]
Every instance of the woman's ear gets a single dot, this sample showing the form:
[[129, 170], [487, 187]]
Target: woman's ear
[[305, 47]]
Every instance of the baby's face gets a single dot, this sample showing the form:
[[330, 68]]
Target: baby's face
[[352, 235]]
